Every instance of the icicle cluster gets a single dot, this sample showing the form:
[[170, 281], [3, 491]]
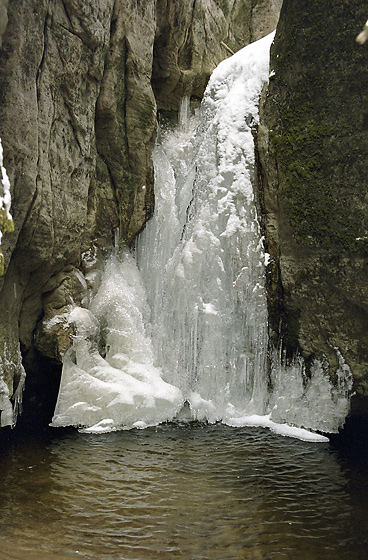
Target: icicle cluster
[[10, 407]]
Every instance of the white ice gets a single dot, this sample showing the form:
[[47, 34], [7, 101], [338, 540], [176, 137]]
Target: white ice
[[280, 429], [202, 256], [5, 197], [109, 380]]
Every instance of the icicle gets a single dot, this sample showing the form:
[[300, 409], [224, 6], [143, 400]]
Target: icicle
[[18, 395], [117, 238], [8, 411], [184, 113], [109, 380], [312, 402]]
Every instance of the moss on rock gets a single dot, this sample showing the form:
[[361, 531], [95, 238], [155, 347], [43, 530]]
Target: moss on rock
[[313, 150], [6, 226]]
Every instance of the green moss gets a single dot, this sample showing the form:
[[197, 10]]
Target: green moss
[[6, 226], [319, 138], [307, 191]]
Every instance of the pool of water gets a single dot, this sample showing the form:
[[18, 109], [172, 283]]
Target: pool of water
[[180, 491]]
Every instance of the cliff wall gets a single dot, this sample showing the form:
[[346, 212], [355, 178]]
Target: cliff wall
[[313, 147]]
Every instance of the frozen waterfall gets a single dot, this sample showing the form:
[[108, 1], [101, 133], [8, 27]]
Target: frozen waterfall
[[181, 331], [208, 309]]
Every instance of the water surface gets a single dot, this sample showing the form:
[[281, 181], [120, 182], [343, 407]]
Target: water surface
[[180, 491]]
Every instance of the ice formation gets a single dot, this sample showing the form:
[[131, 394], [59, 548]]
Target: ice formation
[[117, 385], [185, 332], [9, 408], [209, 310]]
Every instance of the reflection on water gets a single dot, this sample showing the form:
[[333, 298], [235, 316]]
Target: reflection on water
[[192, 492]]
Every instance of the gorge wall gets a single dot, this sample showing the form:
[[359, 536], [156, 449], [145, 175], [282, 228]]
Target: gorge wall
[[313, 147], [80, 86]]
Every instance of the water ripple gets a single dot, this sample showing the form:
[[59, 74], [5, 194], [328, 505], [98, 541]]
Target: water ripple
[[203, 492]]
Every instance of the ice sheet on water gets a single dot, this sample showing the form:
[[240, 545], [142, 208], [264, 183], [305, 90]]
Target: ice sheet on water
[[280, 429]]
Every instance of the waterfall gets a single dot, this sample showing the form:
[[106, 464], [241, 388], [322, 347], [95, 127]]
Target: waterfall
[[209, 309], [181, 330]]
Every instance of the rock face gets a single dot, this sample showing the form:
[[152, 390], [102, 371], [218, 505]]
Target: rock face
[[80, 82], [191, 38], [313, 147], [3, 17]]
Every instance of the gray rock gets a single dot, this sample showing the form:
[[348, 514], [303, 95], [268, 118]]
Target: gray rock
[[3, 17], [313, 146], [191, 39]]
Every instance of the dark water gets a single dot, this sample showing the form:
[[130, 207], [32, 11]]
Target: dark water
[[193, 492]]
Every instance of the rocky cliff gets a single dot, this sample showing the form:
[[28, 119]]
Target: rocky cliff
[[80, 84], [3, 17], [313, 147]]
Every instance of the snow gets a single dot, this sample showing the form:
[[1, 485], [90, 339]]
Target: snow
[[55, 320], [5, 197]]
